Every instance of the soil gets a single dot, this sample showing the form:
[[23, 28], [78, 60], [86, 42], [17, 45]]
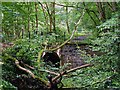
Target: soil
[[28, 83]]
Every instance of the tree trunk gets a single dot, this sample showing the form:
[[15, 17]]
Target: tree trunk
[[28, 21], [36, 15], [50, 16], [53, 15], [46, 18], [88, 12], [101, 11], [114, 6], [67, 22]]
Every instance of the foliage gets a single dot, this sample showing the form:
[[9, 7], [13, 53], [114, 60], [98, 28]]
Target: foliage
[[6, 85], [106, 69], [22, 52], [27, 26], [108, 42]]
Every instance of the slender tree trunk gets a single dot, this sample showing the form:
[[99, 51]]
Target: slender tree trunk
[[28, 21], [110, 6], [36, 15], [22, 28], [67, 22], [50, 16], [22, 32], [50, 23], [53, 14], [45, 16], [18, 29], [15, 28], [101, 11], [114, 6], [90, 14], [95, 14]]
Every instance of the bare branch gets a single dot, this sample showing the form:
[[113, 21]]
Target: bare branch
[[24, 69], [27, 65], [51, 72], [71, 70]]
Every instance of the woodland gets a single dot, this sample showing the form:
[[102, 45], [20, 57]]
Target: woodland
[[31, 31]]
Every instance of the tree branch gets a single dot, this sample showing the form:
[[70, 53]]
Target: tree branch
[[24, 69], [71, 70], [51, 72], [27, 65], [64, 5]]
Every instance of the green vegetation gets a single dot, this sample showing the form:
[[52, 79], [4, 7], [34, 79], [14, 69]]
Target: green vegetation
[[31, 28]]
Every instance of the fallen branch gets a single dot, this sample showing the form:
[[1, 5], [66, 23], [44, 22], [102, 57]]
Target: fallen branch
[[51, 72], [17, 64], [27, 65], [24, 69], [44, 81], [71, 70], [79, 67]]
